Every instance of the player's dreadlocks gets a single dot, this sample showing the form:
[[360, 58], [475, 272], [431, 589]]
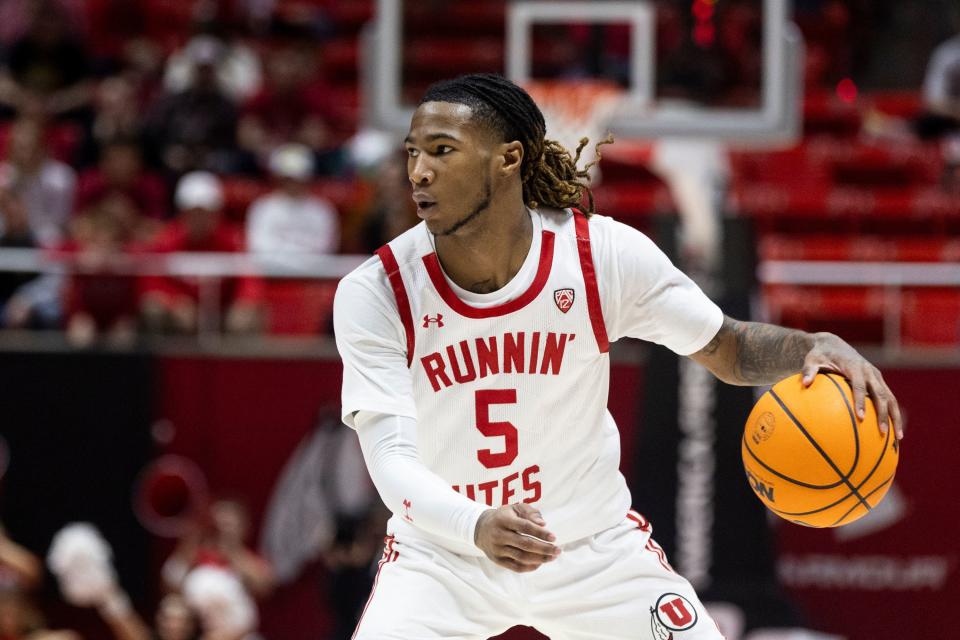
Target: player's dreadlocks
[[549, 174]]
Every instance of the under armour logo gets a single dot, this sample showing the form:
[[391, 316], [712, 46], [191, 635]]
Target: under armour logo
[[437, 319], [406, 511]]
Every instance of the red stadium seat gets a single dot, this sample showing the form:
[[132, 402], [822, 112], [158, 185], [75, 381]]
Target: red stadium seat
[[299, 307], [825, 114], [340, 58], [349, 16], [825, 247], [854, 313], [931, 317], [904, 104], [478, 18]]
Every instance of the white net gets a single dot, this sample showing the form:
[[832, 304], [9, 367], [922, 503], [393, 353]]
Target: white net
[[575, 109]]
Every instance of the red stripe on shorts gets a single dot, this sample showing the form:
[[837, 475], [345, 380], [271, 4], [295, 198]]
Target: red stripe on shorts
[[389, 555], [653, 547], [642, 523]]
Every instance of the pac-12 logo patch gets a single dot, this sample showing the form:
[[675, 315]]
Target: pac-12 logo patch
[[672, 613], [564, 299]]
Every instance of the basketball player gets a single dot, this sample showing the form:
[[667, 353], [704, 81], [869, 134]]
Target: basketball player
[[475, 351]]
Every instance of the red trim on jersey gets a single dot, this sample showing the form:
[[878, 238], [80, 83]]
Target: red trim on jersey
[[543, 272], [582, 225], [400, 293], [389, 555]]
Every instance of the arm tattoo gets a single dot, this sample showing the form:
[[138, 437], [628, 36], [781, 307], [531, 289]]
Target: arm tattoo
[[714, 344], [767, 353]]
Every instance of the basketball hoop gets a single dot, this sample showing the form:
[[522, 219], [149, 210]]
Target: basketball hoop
[[575, 109]]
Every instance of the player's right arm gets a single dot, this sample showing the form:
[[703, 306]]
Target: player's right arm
[[378, 402]]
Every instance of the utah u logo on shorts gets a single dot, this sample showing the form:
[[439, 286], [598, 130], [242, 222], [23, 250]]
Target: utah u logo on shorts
[[437, 320], [672, 612], [564, 299]]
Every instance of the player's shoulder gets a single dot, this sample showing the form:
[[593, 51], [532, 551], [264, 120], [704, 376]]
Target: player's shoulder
[[408, 248], [371, 277], [620, 251], [369, 273], [608, 234], [364, 292]]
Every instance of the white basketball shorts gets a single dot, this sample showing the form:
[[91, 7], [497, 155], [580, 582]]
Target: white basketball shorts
[[616, 584]]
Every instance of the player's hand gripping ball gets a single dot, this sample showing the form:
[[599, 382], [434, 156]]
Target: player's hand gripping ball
[[810, 460]]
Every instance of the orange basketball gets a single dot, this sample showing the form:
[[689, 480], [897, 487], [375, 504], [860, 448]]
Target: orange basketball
[[810, 460]]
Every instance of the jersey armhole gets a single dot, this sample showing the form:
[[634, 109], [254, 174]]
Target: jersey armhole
[[400, 293], [582, 226]]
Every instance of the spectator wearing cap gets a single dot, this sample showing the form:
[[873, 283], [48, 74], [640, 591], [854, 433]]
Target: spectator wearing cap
[[194, 129], [221, 540], [290, 220], [171, 304], [236, 66]]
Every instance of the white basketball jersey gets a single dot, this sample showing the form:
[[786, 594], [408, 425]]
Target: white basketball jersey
[[511, 400]]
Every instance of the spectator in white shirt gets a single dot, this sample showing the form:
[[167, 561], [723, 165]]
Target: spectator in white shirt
[[941, 86], [941, 97], [291, 220], [45, 185]]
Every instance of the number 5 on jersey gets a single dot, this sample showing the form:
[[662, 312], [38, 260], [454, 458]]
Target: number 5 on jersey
[[485, 398]]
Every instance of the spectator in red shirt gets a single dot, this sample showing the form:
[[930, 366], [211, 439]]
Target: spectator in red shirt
[[121, 172], [99, 298], [171, 304], [293, 106], [222, 543]]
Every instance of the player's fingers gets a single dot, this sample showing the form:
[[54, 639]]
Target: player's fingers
[[527, 512], [526, 557], [538, 547], [859, 391], [810, 368], [528, 528], [895, 415], [513, 565], [879, 394]]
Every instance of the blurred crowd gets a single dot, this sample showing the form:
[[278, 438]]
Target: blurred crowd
[[115, 144], [125, 134], [211, 587], [211, 584]]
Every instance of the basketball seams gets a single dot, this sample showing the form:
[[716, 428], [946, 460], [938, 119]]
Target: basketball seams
[[843, 479], [859, 480], [836, 503], [853, 423], [875, 489], [785, 477]]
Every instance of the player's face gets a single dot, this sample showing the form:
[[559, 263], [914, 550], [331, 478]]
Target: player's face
[[449, 164]]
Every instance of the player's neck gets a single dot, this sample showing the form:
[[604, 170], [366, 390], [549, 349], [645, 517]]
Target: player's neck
[[485, 258]]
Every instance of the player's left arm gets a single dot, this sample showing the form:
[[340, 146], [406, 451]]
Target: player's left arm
[[755, 353]]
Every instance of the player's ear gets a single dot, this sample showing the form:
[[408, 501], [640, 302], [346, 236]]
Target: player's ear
[[511, 154]]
